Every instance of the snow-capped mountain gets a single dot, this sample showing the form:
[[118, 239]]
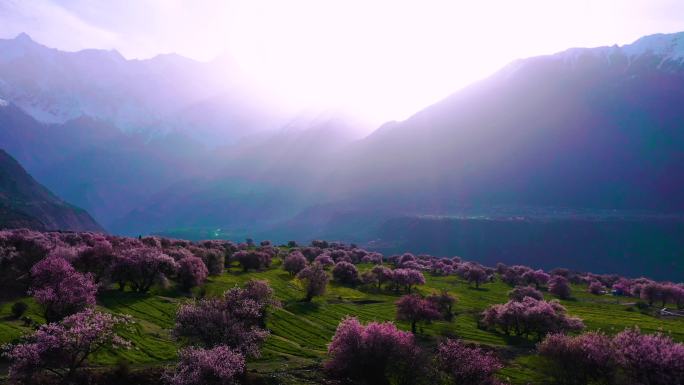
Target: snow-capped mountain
[[164, 93]]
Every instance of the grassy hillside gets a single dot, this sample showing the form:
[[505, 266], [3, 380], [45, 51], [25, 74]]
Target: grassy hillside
[[301, 331]]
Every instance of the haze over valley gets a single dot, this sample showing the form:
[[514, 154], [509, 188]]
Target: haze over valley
[[322, 192], [163, 148]]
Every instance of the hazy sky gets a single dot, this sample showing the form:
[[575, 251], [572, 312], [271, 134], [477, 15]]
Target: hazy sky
[[384, 59]]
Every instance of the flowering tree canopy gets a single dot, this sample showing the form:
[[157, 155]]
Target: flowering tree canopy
[[252, 259], [372, 353], [467, 365], [530, 316], [60, 289], [520, 292], [444, 302], [650, 359], [191, 272], [559, 286], [324, 260], [345, 272], [142, 267], [62, 348], [315, 280], [596, 288], [537, 278], [294, 263], [216, 366], [235, 320], [580, 360], [407, 278], [414, 309]]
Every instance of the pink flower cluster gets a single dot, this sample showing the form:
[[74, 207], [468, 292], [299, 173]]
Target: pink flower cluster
[[530, 317], [345, 272], [294, 263], [215, 366], [652, 359], [62, 348], [60, 289], [235, 320], [315, 280], [371, 353], [414, 309], [467, 365]]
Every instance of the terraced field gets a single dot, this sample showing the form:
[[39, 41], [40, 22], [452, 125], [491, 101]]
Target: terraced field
[[301, 331]]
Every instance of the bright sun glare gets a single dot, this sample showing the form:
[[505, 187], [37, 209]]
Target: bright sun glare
[[387, 59], [380, 59]]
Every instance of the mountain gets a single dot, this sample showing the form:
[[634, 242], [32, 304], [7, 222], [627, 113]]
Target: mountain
[[586, 144], [96, 165], [595, 128], [555, 160], [26, 203], [260, 181], [162, 94]]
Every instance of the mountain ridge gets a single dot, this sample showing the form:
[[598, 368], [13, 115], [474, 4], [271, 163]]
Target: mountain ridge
[[26, 203]]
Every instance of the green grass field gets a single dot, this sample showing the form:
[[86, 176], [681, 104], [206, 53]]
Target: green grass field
[[301, 331]]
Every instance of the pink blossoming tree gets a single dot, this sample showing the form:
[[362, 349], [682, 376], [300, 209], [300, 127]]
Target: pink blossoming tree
[[63, 348]]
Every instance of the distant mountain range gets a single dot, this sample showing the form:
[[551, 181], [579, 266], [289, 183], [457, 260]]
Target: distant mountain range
[[587, 128], [208, 101], [26, 203], [585, 131]]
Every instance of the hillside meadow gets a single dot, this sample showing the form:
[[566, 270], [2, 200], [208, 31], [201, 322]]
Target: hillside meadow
[[301, 331]]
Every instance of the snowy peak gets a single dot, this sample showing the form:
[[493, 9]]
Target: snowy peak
[[23, 38], [669, 46]]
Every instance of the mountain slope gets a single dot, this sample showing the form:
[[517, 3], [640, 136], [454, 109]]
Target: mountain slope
[[95, 165], [587, 128], [26, 203], [162, 94]]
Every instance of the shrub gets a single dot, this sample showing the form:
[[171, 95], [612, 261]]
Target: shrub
[[374, 353], [63, 348], [18, 309], [520, 292], [345, 272], [465, 365], [294, 263], [530, 316], [216, 366], [315, 280], [587, 358], [559, 286], [60, 289], [191, 272], [414, 309]]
